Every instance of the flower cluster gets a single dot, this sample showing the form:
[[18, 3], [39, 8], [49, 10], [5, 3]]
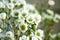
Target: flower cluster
[[20, 19]]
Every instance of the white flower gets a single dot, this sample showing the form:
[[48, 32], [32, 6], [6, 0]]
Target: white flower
[[30, 18], [15, 13], [10, 5], [14, 1], [23, 27], [9, 34], [56, 18], [18, 2], [5, 1], [0, 30], [22, 2], [23, 38], [34, 38], [37, 18], [32, 11], [30, 7], [51, 2], [39, 33], [50, 12], [25, 13], [2, 5], [47, 16], [3, 16], [21, 17], [53, 35]]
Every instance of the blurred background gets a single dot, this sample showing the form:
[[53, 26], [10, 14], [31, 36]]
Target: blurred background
[[55, 8]]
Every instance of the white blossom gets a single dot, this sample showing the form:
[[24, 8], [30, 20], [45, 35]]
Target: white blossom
[[15, 13], [53, 35], [5, 1], [47, 16], [9, 34], [56, 18], [10, 5], [25, 13], [23, 38], [51, 2], [23, 27], [0, 30], [29, 7], [30, 18], [50, 12], [21, 17], [3, 16], [37, 18], [18, 2], [39, 33], [34, 38], [2, 5]]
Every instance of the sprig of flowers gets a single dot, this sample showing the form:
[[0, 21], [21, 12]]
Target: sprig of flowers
[[21, 19]]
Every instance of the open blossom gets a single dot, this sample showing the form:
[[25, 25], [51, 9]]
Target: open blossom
[[15, 13], [9, 34], [29, 7], [34, 38], [3, 16], [24, 37], [56, 18], [24, 13], [37, 18], [53, 35], [30, 18], [39, 33], [2, 5], [0, 30], [46, 16], [23, 27], [51, 2], [50, 12], [10, 5], [18, 2]]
